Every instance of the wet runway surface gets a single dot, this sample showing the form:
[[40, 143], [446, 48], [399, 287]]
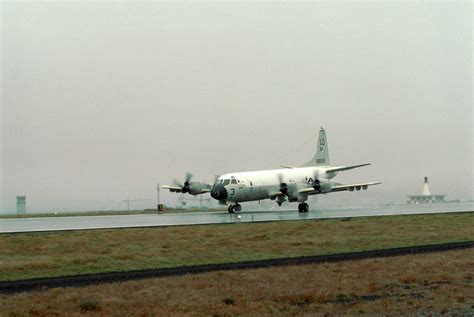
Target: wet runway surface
[[152, 220]]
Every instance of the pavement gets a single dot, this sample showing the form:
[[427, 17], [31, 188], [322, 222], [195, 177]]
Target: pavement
[[196, 218]]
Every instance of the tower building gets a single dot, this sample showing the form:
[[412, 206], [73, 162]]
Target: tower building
[[21, 204], [426, 197]]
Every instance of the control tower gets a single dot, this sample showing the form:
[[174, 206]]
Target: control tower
[[21, 204], [425, 197]]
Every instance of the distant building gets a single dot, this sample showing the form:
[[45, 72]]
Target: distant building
[[426, 197], [21, 204]]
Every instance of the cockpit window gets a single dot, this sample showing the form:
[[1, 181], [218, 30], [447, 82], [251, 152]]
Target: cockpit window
[[233, 181], [226, 182]]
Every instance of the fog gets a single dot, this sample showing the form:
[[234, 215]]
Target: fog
[[102, 101]]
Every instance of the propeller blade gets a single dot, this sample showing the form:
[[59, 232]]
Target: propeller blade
[[189, 176], [316, 182], [280, 178], [283, 186], [176, 183], [316, 174]]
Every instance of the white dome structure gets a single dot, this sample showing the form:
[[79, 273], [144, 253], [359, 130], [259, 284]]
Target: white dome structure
[[425, 197]]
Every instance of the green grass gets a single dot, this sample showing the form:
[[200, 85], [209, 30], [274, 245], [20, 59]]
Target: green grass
[[63, 253]]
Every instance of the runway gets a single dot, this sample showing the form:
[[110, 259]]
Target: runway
[[195, 218]]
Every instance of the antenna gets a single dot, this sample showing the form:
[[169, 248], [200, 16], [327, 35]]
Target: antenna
[[158, 197]]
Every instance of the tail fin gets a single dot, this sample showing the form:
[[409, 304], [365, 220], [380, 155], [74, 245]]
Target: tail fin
[[321, 157]]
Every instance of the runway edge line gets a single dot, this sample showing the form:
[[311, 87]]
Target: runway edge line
[[9, 287]]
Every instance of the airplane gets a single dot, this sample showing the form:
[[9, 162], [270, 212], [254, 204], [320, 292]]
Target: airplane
[[292, 184]]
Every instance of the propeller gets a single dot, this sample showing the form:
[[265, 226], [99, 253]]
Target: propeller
[[316, 182], [283, 185], [186, 187]]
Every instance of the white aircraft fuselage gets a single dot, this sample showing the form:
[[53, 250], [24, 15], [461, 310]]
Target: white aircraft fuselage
[[265, 184]]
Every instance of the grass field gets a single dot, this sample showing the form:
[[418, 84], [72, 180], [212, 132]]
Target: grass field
[[64, 253], [417, 285]]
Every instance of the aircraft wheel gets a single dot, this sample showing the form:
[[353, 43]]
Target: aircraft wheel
[[230, 209], [303, 207], [237, 207], [306, 207]]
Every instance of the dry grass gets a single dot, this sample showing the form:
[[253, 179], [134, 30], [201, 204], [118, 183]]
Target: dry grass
[[428, 284], [61, 253]]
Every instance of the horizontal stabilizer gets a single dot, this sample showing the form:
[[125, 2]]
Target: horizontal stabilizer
[[344, 168]]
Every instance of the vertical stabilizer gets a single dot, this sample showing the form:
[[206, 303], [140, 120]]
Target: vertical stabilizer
[[426, 190], [321, 157]]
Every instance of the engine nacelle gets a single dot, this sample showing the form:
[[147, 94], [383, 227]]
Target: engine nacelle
[[196, 188], [292, 192], [292, 199], [322, 185]]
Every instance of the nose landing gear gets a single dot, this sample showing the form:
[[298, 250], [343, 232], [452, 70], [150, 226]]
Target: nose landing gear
[[303, 207], [234, 208]]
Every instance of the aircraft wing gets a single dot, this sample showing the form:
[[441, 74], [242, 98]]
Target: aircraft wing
[[339, 188], [276, 194], [177, 189], [173, 189], [351, 187], [343, 168]]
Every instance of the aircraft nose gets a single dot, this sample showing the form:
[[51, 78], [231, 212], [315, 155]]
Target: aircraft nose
[[219, 192]]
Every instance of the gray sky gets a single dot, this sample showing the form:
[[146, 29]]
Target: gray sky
[[100, 101]]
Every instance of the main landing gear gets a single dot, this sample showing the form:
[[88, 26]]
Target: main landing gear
[[303, 207], [234, 208]]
